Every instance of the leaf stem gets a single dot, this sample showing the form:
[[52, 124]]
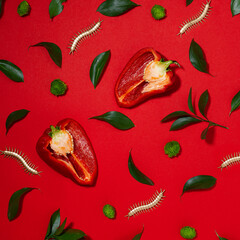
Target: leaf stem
[[214, 124]]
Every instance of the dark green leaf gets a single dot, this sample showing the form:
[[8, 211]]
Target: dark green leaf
[[221, 237], [188, 2], [1, 6], [15, 117], [235, 7], [190, 102], [235, 102], [53, 224], [61, 228], [55, 8], [53, 50], [205, 131], [71, 234], [138, 236], [139, 176], [174, 115], [15, 201], [113, 8], [98, 66], [196, 57], [116, 119], [203, 100], [183, 122], [199, 182], [11, 71]]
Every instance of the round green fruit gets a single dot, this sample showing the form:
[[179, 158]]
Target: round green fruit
[[158, 12]]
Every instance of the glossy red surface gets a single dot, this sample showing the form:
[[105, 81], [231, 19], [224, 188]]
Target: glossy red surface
[[207, 211]]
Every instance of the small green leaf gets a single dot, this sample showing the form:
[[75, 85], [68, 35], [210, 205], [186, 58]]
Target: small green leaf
[[116, 119], [188, 2], [183, 122], [113, 8], [11, 71], [55, 7], [61, 228], [205, 131], [174, 115], [15, 201], [203, 100], [235, 7], [71, 234], [220, 237], [138, 236], [54, 51], [98, 66], [196, 57], [190, 102], [235, 102], [139, 176], [53, 224], [15, 117], [199, 182]]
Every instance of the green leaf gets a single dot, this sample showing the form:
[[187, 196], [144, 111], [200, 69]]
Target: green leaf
[[113, 8], [53, 224], [220, 237], [196, 57], [15, 117], [235, 102], [71, 234], [174, 115], [203, 100], [188, 2], [116, 119], [15, 201], [138, 236], [190, 102], [199, 182], [61, 228], [54, 51], [55, 8], [11, 71], [205, 131], [235, 7], [1, 7], [139, 176], [98, 66], [183, 122]]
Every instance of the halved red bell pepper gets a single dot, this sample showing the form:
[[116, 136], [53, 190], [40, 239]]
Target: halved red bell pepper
[[144, 76], [68, 150]]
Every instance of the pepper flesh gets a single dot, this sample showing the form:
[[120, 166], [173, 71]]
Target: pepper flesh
[[68, 150], [144, 76]]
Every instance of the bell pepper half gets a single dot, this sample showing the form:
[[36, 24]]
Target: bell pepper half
[[144, 76], [68, 150]]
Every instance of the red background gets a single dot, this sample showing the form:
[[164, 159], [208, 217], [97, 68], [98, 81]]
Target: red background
[[207, 211]]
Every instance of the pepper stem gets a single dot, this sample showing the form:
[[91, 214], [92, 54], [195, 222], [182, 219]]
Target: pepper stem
[[54, 130], [166, 64]]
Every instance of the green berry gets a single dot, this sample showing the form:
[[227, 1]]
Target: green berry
[[23, 9], [158, 12], [188, 232], [58, 87], [109, 211], [172, 149]]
